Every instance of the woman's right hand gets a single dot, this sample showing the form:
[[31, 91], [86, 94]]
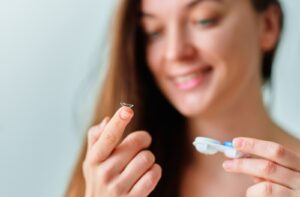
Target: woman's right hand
[[113, 169]]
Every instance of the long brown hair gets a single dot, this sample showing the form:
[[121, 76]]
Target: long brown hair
[[128, 79]]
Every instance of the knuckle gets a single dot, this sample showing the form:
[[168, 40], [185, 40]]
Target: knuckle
[[111, 190], [267, 189], [91, 132], [261, 189], [278, 151], [95, 157], [111, 138], [269, 167], [85, 166], [103, 176], [117, 188], [249, 144]]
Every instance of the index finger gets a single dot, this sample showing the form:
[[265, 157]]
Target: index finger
[[268, 150], [111, 135]]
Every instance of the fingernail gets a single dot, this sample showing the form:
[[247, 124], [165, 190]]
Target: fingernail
[[228, 164], [125, 113], [237, 143]]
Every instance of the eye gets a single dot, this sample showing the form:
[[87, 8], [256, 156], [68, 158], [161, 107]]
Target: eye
[[151, 36], [206, 22]]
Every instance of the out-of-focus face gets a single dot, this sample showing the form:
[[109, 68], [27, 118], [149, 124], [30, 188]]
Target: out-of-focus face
[[204, 54]]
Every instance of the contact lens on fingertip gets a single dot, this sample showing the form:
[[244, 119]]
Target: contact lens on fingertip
[[126, 104]]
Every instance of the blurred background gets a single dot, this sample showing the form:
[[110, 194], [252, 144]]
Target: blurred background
[[51, 56]]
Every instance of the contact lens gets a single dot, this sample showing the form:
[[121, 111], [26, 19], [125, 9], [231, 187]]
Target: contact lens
[[127, 104]]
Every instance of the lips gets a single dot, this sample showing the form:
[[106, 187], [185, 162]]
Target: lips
[[184, 79], [192, 79]]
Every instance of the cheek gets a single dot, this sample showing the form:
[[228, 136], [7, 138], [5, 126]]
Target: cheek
[[232, 48], [154, 55]]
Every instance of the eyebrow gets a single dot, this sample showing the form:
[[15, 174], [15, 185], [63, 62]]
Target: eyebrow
[[196, 2], [189, 6]]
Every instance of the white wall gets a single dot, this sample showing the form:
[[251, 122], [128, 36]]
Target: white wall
[[47, 49], [286, 108]]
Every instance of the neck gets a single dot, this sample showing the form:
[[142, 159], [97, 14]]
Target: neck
[[245, 117]]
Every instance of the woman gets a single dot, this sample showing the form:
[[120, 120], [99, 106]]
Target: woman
[[191, 68]]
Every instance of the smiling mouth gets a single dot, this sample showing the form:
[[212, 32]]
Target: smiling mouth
[[192, 80]]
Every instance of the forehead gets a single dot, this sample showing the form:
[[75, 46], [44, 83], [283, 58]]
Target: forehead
[[165, 5]]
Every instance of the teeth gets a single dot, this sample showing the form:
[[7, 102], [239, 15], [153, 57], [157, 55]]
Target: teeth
[[185, 78]]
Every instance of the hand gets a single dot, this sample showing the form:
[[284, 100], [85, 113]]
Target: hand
[[276, 170], [113, 169]]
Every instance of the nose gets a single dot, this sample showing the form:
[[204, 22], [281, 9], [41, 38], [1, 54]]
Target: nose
[[178, 45]]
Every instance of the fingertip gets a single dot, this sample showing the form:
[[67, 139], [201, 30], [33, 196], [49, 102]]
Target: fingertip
[[147, 137], [92, 136], [125, 113], [156, 167], [227, 165], [91, 132], [237, 142], [159, 169], [106, 120], [97, 130], [103, 123]]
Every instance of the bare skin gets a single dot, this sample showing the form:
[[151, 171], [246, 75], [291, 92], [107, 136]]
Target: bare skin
[[115, 167], [208, 176], [205, 56], [123, 168]]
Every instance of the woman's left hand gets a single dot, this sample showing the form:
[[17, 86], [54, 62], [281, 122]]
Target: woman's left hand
[[276, 169]]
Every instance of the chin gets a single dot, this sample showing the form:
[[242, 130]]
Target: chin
[[194, 101], [192, 111], [192, 106]]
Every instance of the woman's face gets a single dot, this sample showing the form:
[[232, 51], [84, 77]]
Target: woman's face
[[203, 54]]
